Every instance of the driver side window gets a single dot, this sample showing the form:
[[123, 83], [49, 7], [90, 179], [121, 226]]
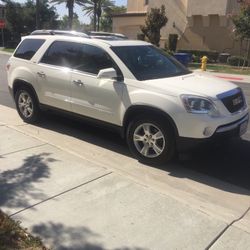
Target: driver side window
[[92, 59]]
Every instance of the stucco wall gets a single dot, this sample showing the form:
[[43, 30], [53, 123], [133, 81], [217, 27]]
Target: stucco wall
[[176, 13], [129, 26], [210, 33], [200, 24], [136, 6]]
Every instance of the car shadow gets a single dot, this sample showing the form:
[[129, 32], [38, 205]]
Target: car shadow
[[228, 162]]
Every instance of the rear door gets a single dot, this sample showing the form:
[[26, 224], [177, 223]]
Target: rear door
[[54, 74]]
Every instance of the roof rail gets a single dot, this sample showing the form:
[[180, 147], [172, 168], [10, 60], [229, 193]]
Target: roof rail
[[60, 32]]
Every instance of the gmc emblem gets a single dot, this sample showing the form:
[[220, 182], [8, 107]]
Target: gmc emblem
[[237, 101]]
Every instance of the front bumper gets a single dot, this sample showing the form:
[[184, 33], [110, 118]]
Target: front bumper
[[227, 131]]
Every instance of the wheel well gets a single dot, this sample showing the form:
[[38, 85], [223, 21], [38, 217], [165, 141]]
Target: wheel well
[[21, 83], [134, 111]]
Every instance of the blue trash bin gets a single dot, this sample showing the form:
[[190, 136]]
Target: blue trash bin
[[183, 58]]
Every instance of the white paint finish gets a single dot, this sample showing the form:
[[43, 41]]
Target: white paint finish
[[97, 98], [55, 87], [119, 213], [108, 101]]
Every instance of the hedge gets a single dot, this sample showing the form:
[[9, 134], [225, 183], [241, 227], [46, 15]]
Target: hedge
[[237, 61], [197, 54]]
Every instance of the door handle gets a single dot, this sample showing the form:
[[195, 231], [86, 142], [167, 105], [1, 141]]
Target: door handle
[[41, 74], [78, 82]]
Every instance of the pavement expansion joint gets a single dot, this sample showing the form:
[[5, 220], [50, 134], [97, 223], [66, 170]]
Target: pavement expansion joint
[[62, 193], [24, 149], [226, 228]]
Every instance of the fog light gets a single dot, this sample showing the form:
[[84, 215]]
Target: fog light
[[208, 131]]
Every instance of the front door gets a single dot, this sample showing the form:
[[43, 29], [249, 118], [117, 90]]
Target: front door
[[96, 98]]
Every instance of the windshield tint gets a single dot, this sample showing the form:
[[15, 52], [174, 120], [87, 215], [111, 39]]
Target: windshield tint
[[147, 62]]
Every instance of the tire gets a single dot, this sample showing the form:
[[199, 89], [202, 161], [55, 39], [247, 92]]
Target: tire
[[151, 140], [27, 105]]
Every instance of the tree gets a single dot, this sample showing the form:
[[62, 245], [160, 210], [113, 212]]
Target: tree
[[242, 26], [156, 19], [106, 21], [20, 17], [76, 25], [96, 8], [70, 5]]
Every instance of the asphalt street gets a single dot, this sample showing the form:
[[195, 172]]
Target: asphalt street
[[229, 162]]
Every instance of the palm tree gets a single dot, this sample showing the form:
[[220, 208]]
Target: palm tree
[[70, 5], [95, 8]]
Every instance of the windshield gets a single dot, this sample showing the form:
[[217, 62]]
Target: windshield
[[146, 62]]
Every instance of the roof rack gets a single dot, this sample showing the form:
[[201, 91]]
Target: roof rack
[[99, 34], [60, 32]]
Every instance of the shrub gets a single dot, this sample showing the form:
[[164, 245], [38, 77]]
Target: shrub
[[197, 54], [236, 61]]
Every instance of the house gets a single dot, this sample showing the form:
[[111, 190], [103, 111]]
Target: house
[[199, 24]]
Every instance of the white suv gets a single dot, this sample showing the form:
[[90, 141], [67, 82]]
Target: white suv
[[132, 86]]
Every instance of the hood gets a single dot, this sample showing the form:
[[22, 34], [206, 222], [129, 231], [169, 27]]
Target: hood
[[197, 84]]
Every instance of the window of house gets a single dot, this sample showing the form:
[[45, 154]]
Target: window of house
[[28, 48]]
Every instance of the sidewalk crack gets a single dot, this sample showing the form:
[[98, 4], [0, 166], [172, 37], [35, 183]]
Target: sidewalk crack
[[226, 228], [24, 149], [59, 194]]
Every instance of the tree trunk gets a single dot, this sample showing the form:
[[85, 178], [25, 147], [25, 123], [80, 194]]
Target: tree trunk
[[37, 15], [70, 6], [95, 14], [99, 14]]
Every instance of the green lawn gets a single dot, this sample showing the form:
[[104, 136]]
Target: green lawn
[[222, 68], [8, 50]]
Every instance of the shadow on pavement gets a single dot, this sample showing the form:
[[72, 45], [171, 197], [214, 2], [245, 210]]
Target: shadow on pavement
[[77, 238], [229, 162], [17, 185]]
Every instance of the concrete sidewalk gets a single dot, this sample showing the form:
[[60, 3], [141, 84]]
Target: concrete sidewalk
[[75, 202]]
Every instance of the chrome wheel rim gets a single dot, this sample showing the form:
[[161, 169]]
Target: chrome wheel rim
[[25, 104], [149, 140]]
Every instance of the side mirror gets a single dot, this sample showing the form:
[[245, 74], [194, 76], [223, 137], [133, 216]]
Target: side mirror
[[109, 73]]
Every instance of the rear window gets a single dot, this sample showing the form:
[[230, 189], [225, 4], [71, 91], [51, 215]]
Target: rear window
[[28, 48]]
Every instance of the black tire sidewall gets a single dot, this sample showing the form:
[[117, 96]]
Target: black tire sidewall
[[36, 110], [169, 137]]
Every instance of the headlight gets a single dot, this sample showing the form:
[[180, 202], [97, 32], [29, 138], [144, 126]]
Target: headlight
[[199, 105]]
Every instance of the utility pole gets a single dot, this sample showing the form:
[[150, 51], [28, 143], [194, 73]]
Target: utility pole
[[37, 14]]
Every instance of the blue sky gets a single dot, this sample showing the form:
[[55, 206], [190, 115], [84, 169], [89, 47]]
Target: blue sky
[[63, 11]]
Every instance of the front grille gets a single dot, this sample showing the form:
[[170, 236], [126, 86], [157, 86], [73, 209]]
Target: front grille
[[234, 101]]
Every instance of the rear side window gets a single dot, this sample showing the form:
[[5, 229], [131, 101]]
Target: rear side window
[[62, 53], [28, 48], [82, 57]]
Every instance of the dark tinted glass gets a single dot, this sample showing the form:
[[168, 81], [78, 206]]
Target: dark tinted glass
[[147, 62], [62, 53], [82, 57], [92, 59], [28, 48]]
